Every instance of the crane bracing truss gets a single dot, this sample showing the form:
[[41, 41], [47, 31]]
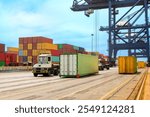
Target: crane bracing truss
[[126, 32]]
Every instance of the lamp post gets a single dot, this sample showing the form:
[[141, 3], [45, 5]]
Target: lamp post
[[92, 42]]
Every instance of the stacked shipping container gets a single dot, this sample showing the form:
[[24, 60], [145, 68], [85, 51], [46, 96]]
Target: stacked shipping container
[[31, 47], [13, 50], [2, 54], [2, 48], [70, 49]]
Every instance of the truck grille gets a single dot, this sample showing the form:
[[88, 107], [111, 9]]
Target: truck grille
[[38, 69]]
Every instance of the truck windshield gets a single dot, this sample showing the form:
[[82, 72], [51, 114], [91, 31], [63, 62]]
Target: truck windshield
[[42, 59]]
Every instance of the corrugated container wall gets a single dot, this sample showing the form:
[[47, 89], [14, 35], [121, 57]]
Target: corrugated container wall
[[78, 65], [141, 64], [127, 64], [2, 48], [31, 47], [12, 49], [2, 57]]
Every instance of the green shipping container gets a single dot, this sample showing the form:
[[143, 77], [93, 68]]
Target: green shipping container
[[55, 58], [76, 65], [60, 46], [2, 63]]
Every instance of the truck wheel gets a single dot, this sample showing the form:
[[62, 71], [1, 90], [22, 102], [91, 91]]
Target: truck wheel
[[49, 73], [107, 68], [55, 73], [35, 75]]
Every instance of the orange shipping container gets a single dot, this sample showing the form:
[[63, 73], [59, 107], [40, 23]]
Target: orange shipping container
[[24, 52], [30, 59], [39, 46], [12, 49], [44, 52], [20, 46], [35, 52], [29, 46]]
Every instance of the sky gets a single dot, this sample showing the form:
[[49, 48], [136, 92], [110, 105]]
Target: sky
[[50, 18]]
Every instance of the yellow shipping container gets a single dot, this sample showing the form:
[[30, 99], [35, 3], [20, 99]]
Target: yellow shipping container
[[20, 46], [39, 46], [12, 49], [141, 64], [24, 52], [35, 52], [30, 46], [127, 64], [54, 47], [30, 59], [44, 52], [49, 46]]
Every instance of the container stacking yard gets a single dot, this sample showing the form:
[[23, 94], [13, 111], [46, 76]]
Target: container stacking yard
[[76, 65]]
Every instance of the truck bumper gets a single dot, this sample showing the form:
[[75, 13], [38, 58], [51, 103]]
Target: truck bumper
[[40, 71]]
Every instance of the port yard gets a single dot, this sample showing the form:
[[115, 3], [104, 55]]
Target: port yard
[[107, 85]]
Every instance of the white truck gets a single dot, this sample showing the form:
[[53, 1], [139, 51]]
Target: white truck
[[47, 65]]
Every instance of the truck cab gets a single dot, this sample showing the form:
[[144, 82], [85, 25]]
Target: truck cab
[[45, 66]]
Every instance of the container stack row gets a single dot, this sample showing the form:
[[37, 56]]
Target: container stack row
[[8, 59], [2, 56], [70, 49], [13, 50], [31, 47]]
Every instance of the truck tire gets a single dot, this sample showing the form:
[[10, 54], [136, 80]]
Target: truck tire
[[107, 68], [49, 73], [35, 75], [56, 73]]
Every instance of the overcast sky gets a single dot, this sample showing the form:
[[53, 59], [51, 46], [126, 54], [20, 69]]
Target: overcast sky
[[49, 18]]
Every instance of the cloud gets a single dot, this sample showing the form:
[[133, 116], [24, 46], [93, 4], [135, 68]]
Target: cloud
[[46, 18]]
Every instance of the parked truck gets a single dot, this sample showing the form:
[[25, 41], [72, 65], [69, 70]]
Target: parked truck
[[47, 65], [103, 65]]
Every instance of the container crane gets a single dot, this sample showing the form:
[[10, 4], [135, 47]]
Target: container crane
[[137, 44]]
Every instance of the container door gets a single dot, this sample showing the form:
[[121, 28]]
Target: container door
[[72, 65], [63, 64]]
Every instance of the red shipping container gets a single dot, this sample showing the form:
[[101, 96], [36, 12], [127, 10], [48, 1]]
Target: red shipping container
[[67, 46], [49, 40], [10, 58], [25, 40], [34, 46], [34, 59], [21, 40], [35, 40], [20, 59], [2, 56], [55, 52], [29, 52], [2, 48], [29, 39], [25, 46], [44, 40]]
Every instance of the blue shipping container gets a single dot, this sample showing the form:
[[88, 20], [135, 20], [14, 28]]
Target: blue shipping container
[[55, 59], [20, 52], [25, 58]]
